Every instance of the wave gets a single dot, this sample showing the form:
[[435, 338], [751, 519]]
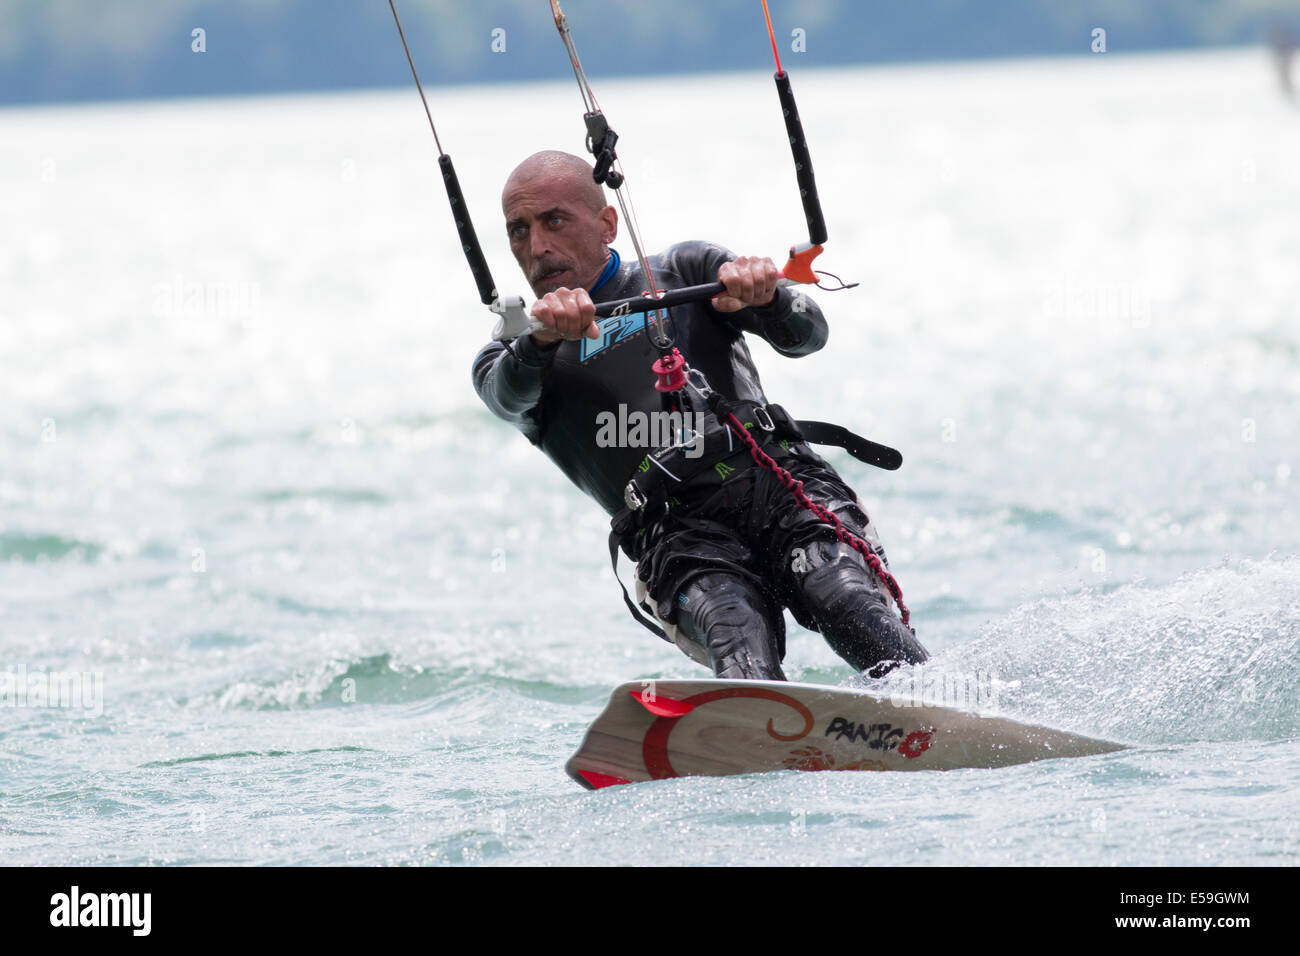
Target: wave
[[365, 496], [378, 679], [46, 547], [243, 754], [1212, 656]]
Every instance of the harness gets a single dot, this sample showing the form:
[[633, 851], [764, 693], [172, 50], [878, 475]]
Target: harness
[[756, 434]]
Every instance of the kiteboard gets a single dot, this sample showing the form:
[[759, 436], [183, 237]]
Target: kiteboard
[[657, 729]]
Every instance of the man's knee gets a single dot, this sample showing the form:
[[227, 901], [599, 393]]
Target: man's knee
[[835, 593], [740, 628], [829, 579]]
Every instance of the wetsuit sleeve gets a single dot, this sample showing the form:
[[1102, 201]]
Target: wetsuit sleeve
[[511, 384], [794, 326]]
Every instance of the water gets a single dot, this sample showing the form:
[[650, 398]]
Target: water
[[343, 615]]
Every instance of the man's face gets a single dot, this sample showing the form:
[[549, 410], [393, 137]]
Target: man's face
[[556, 237]]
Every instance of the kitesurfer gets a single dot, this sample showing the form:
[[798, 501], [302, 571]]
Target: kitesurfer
[[733, 548]]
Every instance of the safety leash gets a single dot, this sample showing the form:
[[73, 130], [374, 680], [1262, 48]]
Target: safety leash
[[795, 486]]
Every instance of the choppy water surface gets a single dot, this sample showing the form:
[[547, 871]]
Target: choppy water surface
[[342, 615]]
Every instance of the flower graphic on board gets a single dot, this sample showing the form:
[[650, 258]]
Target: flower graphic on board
[[814, 758], [917, 743]]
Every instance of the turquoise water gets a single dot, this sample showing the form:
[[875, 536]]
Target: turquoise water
[[339, 614]]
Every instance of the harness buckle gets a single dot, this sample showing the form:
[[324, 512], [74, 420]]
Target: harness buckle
[[694, 442], [763, 418], [633, 497]]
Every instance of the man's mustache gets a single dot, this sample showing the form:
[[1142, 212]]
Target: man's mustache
[[544, 269]]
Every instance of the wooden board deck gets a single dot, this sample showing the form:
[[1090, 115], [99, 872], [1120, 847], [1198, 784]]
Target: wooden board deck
[[653, 730]]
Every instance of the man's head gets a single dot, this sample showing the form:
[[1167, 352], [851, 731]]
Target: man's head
[[558, 222]]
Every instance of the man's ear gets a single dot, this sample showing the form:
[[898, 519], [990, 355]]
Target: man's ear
[[609, 224]]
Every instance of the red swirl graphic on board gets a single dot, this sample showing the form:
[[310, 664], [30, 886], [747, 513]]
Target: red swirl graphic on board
[[917, 743], [654, 746]]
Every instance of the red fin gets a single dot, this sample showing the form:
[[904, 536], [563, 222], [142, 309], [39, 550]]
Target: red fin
[[661, 706], [598, 780]]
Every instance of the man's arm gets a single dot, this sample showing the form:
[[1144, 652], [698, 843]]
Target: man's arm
[[792, 323], [510, 381], [511, 384]]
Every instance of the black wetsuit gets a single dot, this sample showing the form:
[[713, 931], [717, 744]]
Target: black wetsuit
[[722, 563]]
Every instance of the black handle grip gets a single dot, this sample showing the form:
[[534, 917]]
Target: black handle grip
[[487, 289], [692, 293], [812, 207]]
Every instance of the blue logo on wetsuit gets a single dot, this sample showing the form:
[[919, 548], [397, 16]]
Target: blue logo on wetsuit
[[616, 328]]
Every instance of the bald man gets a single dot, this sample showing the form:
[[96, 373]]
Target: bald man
[[731, 548]]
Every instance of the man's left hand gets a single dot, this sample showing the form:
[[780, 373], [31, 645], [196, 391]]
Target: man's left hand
[[750, 281]]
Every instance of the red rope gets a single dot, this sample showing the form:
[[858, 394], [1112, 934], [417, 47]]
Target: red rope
[[845, 536], [772, 36]]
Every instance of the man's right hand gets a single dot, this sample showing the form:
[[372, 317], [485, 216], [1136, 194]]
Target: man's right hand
[[567, 314]]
